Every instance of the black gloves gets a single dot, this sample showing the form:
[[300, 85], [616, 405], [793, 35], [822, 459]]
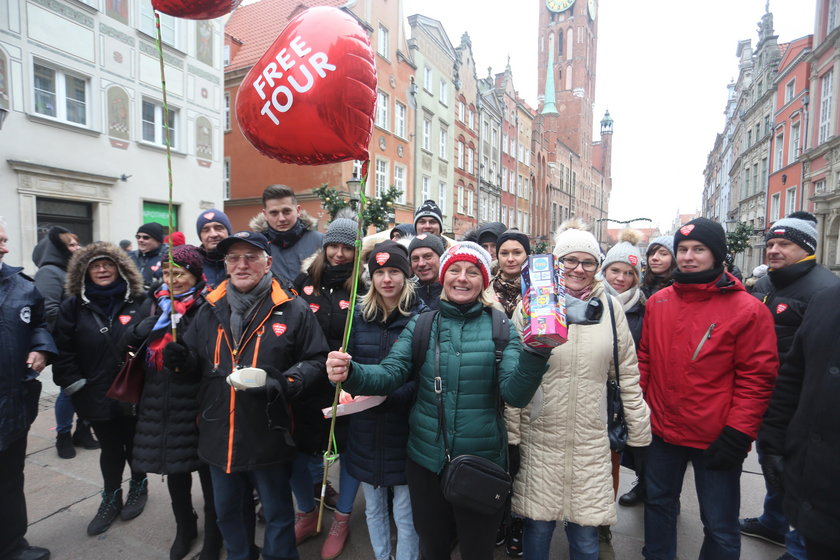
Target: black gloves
[[514, 460], [541, 352], [773, 467], [177, 358], [290, 384], [728, 451], [142, 330]]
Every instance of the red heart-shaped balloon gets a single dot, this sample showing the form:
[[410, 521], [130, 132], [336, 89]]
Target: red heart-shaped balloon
[[195, 9], [310, 98]]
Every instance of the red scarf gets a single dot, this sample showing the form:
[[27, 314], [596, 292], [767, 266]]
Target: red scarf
[[183, 302]]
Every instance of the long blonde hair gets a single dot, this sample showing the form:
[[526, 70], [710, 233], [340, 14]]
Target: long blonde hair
[[374, 308]]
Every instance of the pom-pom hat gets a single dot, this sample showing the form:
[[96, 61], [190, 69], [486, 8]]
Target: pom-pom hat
[[572, 237], [470, 252], [341, 231], [626, 251]]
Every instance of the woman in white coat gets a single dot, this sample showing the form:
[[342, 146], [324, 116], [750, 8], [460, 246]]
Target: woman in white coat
[[565, 473]]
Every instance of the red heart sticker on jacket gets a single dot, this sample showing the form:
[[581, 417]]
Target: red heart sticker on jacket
[[344, 304], [634, 260], [124, 319], [781, 308], [308, 290], [686, 229], [382, 258], [155, 267], [310, 99], [278, 328], [314, 307]]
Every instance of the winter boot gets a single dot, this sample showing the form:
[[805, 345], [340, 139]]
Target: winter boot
[[187, 522], [64, 445], [337, 537], [212, 547], [83, 436], [109, 509], [138, 494], [305, 525]]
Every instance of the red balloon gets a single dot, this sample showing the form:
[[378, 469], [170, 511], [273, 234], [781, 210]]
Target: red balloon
[[195, 9], [310, 99]]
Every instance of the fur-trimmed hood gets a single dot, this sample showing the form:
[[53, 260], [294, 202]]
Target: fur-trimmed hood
[[259, 224], [74, 283]]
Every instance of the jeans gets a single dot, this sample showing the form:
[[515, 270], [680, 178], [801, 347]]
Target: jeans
[[308, 470], [536, 540], [773, 517], [379, 523], [63, 413], [718, 493], [230, 493]]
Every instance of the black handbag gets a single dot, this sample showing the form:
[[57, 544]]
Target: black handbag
[[616, 425], [469, 481]]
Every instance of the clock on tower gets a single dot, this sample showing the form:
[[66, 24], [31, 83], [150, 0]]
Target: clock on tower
[[558, 6]]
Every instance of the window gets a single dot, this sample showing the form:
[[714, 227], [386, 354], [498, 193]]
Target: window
[[399, 182], [504, 143], [444, 141], [780, 151], [382, 42], [749, 138], [226, 55], [793, 149], [152, 121], [461, 112], [746, 175], [427, 188], [471, 203], [790, 200], [442, 194], [444, 92], [427, 78], [227, 110], [471, 161], [227, 178], [460, 155], [168, 25], [382, 102], [790, 88], [774, 207], [764, 171], [504, 181], [494, 137], [461, 207], [427, 135], [381, 177], [819, 186], [833, 19], [825, 105], [399, 119], [756, 186], [472, 119], [60, 95]]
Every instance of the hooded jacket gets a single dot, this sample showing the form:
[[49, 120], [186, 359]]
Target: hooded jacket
[[85, 351], [52, 269], [708, 360], [286, 261], [22, 330], [247, 430], [566, 467]]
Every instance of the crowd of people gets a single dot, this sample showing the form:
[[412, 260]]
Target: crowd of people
[[241, 342]]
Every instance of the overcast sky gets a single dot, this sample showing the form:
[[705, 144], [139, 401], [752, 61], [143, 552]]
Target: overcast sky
[[663, 67]]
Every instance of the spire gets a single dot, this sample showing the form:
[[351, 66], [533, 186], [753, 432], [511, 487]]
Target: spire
[[606, 123], [549, 107]]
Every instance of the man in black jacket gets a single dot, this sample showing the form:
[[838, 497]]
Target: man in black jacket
[[793, 279], [424, 252], [25, 348], [256, 346], [147, 256]]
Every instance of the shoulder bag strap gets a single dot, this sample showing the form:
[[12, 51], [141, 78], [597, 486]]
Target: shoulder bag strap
[[105, 330], [614, 339], [440, 396]]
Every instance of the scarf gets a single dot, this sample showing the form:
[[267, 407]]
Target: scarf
[[242, 306], [183, 302], [576, 310], [336, 276], [509, 294], [285, 239], [583, 294], [107, 298], [627, 299], [702, 277]]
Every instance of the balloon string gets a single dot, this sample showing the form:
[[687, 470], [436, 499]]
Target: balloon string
[[166, 137], [331, 453]]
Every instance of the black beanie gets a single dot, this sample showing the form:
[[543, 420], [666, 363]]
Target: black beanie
[[428, 240], [514, 235], [389, 254], [707, 232], [153, 230], [490, 232], [430, 209]]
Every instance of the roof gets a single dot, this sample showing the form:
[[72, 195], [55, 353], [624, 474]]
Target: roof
[[258, 25]]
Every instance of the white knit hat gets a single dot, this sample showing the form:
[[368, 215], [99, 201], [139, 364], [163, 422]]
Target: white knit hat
[[467, 251], [572, 237], [626, 251]]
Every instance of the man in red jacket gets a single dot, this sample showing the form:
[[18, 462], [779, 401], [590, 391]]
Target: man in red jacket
[[708, 363]]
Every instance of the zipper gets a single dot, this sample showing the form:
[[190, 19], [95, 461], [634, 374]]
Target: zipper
[[703, 340]]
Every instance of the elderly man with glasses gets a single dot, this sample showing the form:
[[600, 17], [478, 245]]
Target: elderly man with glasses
[[256, 346], [148, 253]]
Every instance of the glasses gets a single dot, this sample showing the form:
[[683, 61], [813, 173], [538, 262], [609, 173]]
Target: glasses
[[571, 263], [142, 237], [106, 265], [247, 257]]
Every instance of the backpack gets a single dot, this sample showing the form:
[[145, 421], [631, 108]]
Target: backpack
[[423, 333]]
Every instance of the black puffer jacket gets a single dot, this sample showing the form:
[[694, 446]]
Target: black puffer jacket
[[166, 439], [803, 425], [85, 352], [376, 451], [430, 294], [788, 291], [149, 266]]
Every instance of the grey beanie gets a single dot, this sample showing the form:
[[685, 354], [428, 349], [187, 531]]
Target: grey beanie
[[801, 232], [626, 251], [428, 240], [666, 241], [341, 231]]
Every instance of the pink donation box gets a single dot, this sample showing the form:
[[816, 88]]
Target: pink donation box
[[544, 302]]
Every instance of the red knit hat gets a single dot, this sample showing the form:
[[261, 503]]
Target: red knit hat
[[470, 252]]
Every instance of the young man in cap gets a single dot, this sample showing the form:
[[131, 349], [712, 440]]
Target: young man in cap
[[148, 253], [424, 252], [256, 347], [792, 281], [428, 218], [708, 363], [212, 227], [292, 234]]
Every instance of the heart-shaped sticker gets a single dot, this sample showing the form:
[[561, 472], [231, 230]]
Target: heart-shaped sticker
[[124, 319], [154, 267], [634, 260], [781, 308], [314, 307], [344, 304], [310, 99], [686, 229], [195, 9], [278, 328], [308, 290], [382, 258], [209, 215]]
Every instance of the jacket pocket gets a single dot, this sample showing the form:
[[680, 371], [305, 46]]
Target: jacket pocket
[[703, 340]]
